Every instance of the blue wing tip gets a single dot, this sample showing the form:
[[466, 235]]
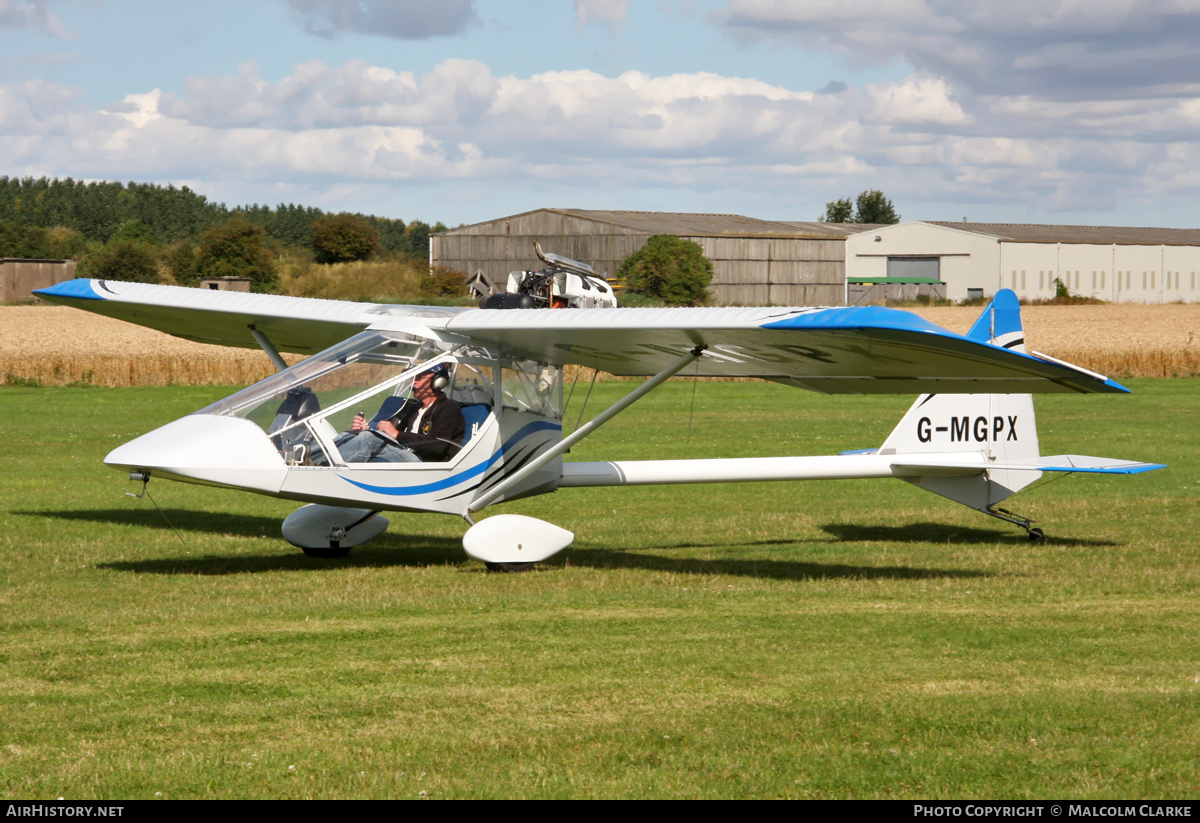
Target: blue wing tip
[[857, 317], [1146, 467], [80, 288]]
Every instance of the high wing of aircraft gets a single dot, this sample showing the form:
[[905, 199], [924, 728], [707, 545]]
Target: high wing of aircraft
[[970, 436]]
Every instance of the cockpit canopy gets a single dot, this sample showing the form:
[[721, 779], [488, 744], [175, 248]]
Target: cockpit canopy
[[310, 401]]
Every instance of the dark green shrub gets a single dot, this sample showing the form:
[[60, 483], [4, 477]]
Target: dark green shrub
[[121, 260], [236, 249], [670, 268], [344, 238]]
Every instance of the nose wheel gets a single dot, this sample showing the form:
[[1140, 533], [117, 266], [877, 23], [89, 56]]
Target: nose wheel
[[510, 568], [333, 552], [330, 532]]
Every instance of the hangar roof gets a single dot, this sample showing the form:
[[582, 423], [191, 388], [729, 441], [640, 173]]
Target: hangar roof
[[1103, 235], [708, 225]]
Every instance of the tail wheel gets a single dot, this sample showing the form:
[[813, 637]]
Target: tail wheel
[[1036, 535]]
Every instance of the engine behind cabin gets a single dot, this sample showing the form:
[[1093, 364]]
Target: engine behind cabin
[[563, 284]]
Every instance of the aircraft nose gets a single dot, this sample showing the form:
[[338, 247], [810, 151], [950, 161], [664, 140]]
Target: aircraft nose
[[202, 448]]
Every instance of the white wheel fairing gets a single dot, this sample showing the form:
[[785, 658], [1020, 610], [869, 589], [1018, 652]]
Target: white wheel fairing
[[317, 527], [515, 538]]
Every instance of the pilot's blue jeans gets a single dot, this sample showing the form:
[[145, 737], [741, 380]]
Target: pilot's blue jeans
[[365, 447]]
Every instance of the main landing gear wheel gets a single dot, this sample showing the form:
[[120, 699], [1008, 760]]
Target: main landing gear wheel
[[333, 552], [330, 532], [508, 567], [1036, 535]]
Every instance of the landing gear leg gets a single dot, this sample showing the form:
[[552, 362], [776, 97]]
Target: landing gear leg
[[1035, 535]]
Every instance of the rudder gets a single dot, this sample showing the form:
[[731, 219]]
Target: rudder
[[1000, 426]]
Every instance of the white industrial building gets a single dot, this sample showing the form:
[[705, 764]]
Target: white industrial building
[[1139, 265]]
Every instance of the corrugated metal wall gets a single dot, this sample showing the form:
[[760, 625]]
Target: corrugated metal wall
[[753, 271], [18, 278]]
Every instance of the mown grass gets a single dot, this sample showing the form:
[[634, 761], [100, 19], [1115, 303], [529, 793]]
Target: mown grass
[[837, 639]]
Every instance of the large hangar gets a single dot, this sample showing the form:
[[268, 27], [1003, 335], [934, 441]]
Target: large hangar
[[755, 262], [1133, 265]]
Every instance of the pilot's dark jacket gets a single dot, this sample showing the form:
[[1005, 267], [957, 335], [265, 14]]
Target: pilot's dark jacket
[[441, 429]]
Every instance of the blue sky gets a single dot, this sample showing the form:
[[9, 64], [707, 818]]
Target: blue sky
[[1054, 111]]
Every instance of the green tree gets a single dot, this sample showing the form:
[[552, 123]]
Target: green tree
[[17, 240], [416, 240], [236, 249], [838, 211], [66, 244], [341, 238], [121, 260], [670, 268], [135, 231], [391, 233], [182, 262], [869, 207], [872, 207]]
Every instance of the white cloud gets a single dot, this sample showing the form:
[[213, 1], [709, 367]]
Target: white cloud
[[611, 13], [918, 99], [403, 19], [1049, 103], [1060, 49], [32, 15], [571, 133]]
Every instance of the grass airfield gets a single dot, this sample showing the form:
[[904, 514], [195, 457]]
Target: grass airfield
[[809, 640]]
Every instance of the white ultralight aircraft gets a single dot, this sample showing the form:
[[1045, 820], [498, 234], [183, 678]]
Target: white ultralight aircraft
[[971, 437]]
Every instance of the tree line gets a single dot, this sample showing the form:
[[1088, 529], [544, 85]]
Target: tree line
[[126, 230]]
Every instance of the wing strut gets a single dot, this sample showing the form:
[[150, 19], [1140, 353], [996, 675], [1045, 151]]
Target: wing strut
[[266, 345], [586, 429]]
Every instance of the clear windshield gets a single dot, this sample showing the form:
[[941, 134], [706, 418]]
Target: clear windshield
[[532, 387], [309, 409], [327, 378]]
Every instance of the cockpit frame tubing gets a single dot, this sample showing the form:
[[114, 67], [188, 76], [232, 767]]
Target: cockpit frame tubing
[[326, 441], [374, 389], [596, 422]]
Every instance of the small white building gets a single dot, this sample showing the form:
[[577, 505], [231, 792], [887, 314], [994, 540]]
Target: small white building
[[1138, 265]]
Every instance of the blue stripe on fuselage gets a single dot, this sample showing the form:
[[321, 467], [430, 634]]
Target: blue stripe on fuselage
[[463, 476]]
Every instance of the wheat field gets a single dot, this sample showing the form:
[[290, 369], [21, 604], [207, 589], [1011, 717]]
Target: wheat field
[[57, 345]]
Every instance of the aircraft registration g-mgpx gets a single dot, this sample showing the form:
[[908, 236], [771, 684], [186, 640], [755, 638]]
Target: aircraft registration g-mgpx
[[970, 436]]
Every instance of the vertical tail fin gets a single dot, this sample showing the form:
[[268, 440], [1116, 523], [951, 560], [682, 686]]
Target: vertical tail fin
[[1001, 426], [1000, 323]]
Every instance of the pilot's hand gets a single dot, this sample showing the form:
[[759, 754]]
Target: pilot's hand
[[386, 427], [359, 423]]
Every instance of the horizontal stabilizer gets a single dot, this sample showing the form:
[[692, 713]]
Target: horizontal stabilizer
[[1050, 463]]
